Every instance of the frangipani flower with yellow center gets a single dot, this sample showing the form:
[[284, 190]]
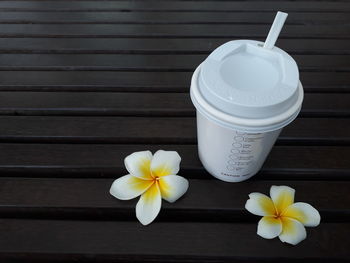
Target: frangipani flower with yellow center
[[281, 216], [152, 177]]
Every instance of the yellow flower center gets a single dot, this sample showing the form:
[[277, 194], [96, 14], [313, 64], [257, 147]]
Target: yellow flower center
[[277, 216]]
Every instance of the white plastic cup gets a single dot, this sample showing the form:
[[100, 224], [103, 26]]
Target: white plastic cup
[[239, 117], [245, 92]]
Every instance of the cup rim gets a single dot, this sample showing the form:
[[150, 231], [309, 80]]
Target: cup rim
[[248, 125]]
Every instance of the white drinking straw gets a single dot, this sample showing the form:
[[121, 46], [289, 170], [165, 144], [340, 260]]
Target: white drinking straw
[[275, 30]]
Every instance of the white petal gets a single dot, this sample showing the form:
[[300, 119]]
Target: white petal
[[128, 187], [172, 187], [165, 163], [293, 231], [139, 163], [260, 204], [304, 213], [148, 206], [269, 227], [282, 197]]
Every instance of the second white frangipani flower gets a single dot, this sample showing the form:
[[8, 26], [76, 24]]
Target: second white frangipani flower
[[281, 216], [152, 177]]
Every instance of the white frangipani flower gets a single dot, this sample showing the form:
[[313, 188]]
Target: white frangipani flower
[[152, 177], [281, 216]]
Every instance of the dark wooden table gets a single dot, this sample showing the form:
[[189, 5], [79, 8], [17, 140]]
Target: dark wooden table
[[85, 83]]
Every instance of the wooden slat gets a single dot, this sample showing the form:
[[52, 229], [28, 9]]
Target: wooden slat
[[144, 62], [142, 104], [168, 18], [96, 160], [97, 103], [171, 31], [55, 240], [224, 6], [158, 46], [153, 130], [90, 199], [141, 81]]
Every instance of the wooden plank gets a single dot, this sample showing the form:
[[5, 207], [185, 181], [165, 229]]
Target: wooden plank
[[224, 6], [97, 103], [171, 31], [141, 104], [90, 199], [308, 131], [58, 240], [158, 46], [127, 62], [116, 17], [141, 81], [103, 160]]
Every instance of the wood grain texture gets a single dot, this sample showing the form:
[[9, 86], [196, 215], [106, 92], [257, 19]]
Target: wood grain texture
[[164, 6], [90, 199], [120, 17], [158, 46], [141, 81], [156, 130], [106, 160], [55, 240], [161, 63], [141, 104], [171, 31]]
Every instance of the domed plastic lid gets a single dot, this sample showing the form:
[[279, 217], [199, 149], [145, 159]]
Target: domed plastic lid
[[244, 79]]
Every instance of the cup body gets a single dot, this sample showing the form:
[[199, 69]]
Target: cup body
[[231, 155]]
